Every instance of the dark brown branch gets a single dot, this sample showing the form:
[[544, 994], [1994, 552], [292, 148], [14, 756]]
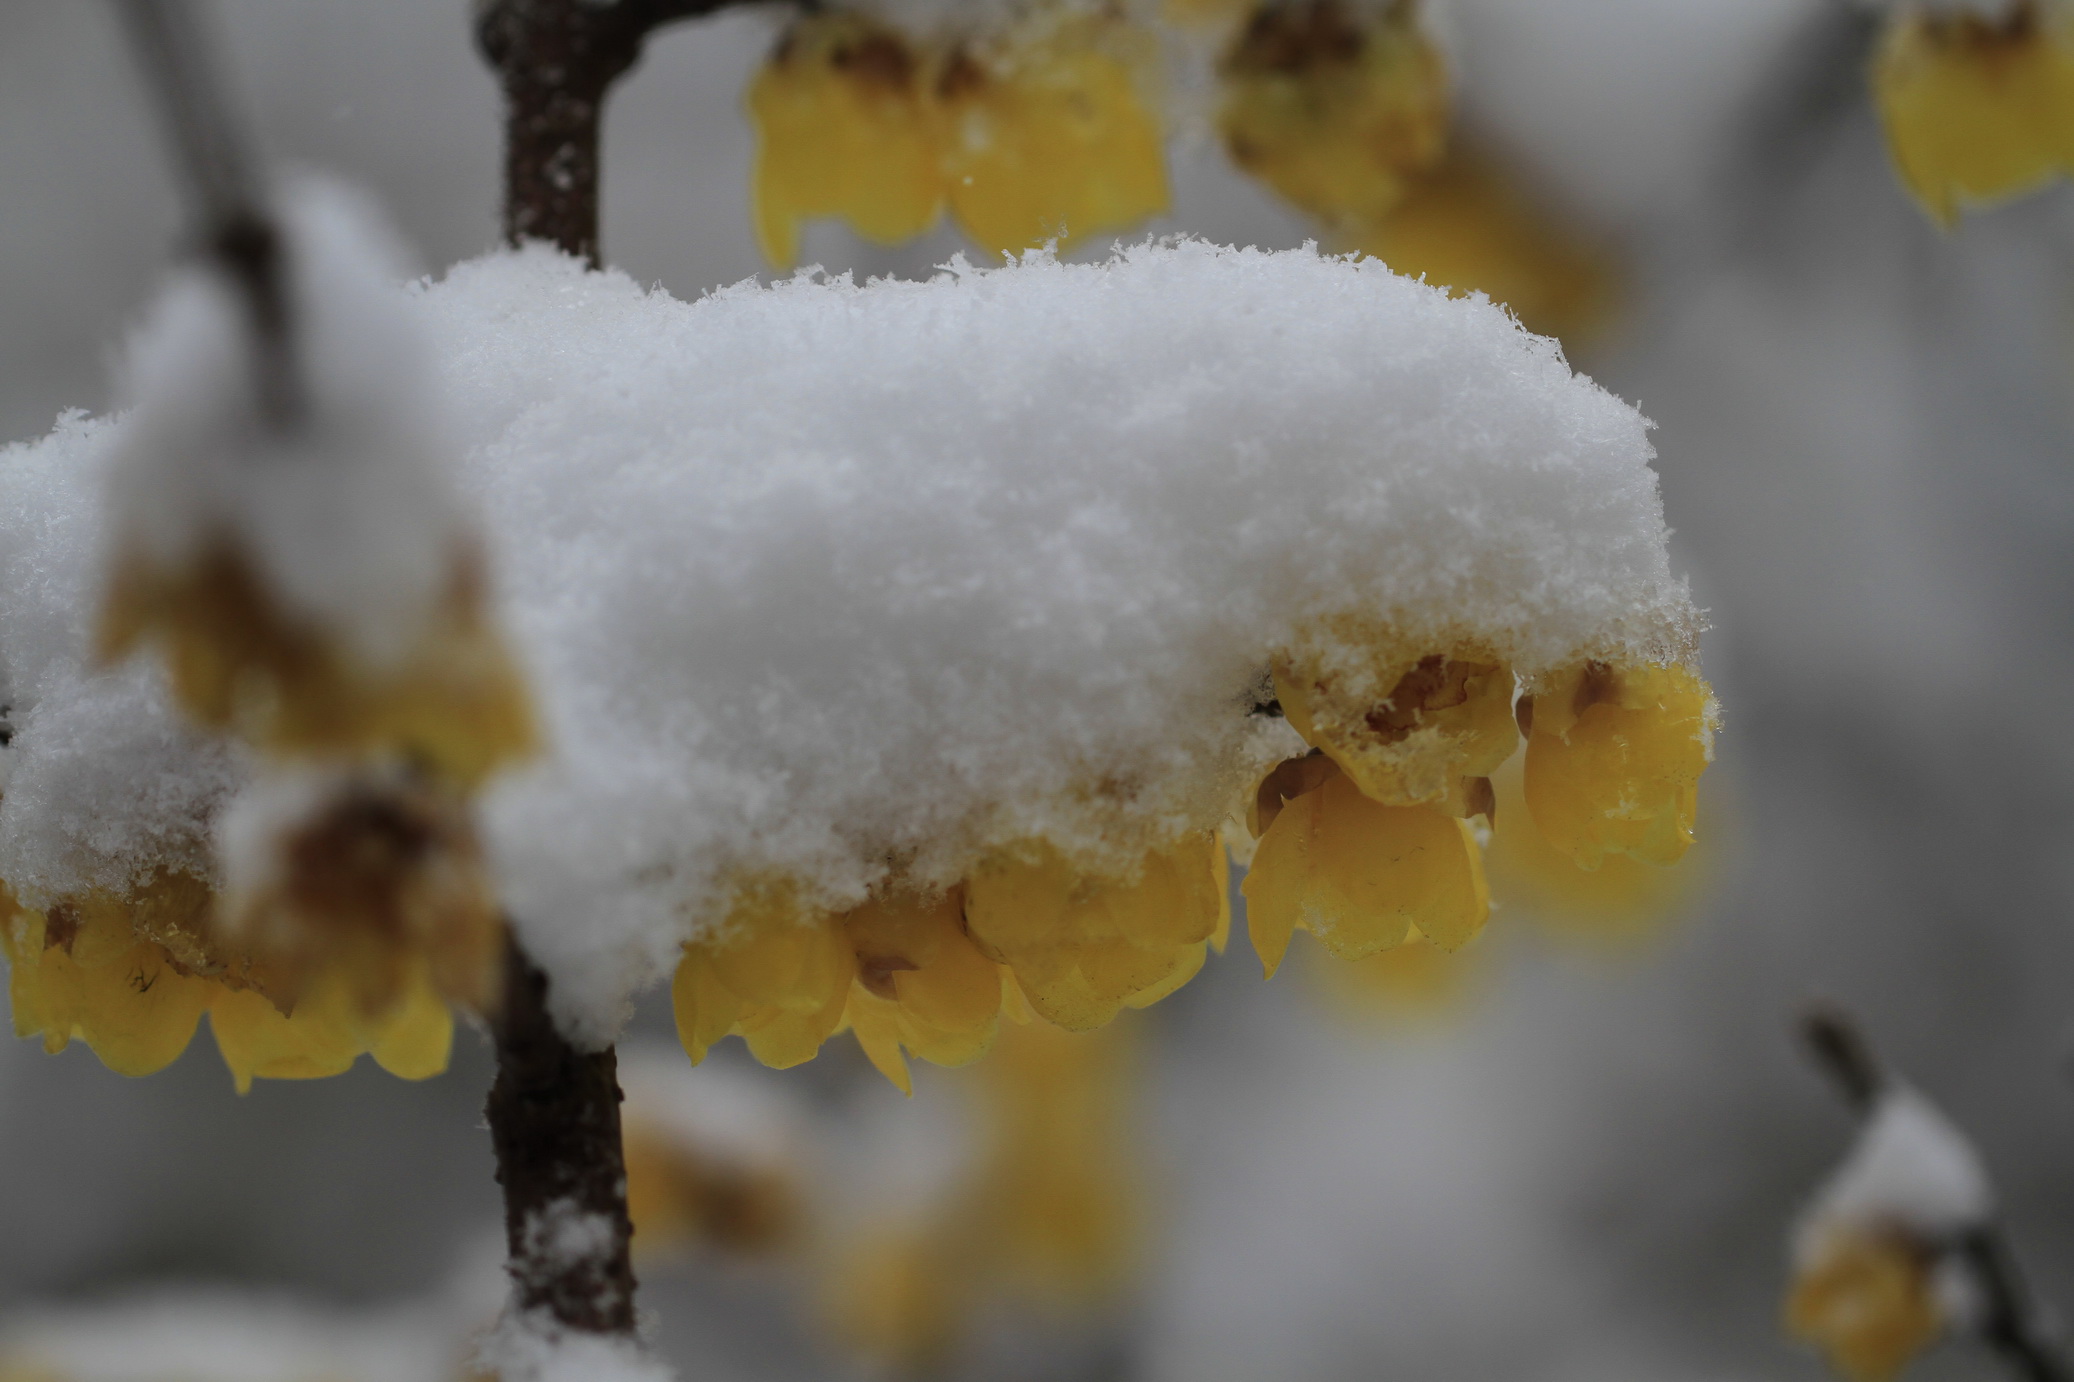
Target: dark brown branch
[[216, 175], [557, 61], [2011, 1324], [554, 1122]]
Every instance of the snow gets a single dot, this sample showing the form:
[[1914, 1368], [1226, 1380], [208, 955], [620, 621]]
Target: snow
[[815, 576], [1910, 1169], [349, 515], [532, 1348]]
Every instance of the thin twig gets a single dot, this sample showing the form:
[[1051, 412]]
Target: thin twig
[[216, 173], [2011, 1323]]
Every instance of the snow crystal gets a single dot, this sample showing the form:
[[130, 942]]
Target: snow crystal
[[1910, 1169], [816, 577]]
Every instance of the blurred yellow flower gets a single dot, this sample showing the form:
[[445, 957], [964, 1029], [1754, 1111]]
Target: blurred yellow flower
[[1052, 134], [1977, 109], [1623, 898], [843, 129], [454, 702], [1469, 225], [1335, 107], [1867, 1300]]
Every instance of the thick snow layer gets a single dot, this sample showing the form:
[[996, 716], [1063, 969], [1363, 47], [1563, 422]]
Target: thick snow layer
[[1909, 1169], [349, 514], [815, 577]]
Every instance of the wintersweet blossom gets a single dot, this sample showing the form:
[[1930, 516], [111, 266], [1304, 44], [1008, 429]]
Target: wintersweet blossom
[[1977, 99]]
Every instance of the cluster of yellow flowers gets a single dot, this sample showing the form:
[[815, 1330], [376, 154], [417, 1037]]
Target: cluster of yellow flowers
[[1045, 133], [1366, 842], [382, 918], [1051, 131], [1977, 108], [374, 911]]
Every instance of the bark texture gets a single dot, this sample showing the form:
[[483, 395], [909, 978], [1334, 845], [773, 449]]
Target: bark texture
[[557, 61], [554, 1121]]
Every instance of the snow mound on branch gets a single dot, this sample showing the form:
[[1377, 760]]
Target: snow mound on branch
[[1910, 1169], [816, 579]]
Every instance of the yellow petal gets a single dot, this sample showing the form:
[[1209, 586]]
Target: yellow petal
[[1051, 140], [1614, 761], [417, 1041], [1867, 1301], [842, 131], [876, 1024], [1334, 109], [1359, 875], [1977, 110], [320, 1039], [705, 1008]]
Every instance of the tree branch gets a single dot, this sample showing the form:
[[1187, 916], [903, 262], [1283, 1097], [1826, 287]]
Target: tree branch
[[215, 170], [557, 61], [554, 1121], [2011, 1323]]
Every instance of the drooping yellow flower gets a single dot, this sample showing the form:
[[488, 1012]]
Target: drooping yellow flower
[[131, 976], [327, 1030], [1056, 1199], [1360, 876], [1469, 225], [1977, 109], [81, 972], [453, 701], [1335, 108], [1049, 135], [1623, 898], [371, 883], [843, 129], [1614, 757], [1866, 1298], [676, 1196], [779, 976], [1082, 948], [1409, 730], [899, 1296], [921, 984]]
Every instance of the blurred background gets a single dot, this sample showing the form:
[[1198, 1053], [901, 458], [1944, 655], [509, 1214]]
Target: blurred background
[[1581, 1167]]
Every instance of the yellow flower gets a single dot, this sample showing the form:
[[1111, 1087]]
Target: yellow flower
[[1621, 898], [131, 977], [843, 130], [921, 984], [375, 884], [1335, 110], [1082, 948], [1360, 876], [779, 976], [677, 1196], [1614, 757], [1056, 1202], [899, 1296], [1976, 109], [1867, 1300], [327, 1030], [80, 972], [1410, 731], [1049, 136], [453, 702], [1468, 225]]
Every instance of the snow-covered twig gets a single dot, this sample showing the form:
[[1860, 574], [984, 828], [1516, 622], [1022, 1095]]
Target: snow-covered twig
[[216, 167], [557, 61], [2002, 1312]]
